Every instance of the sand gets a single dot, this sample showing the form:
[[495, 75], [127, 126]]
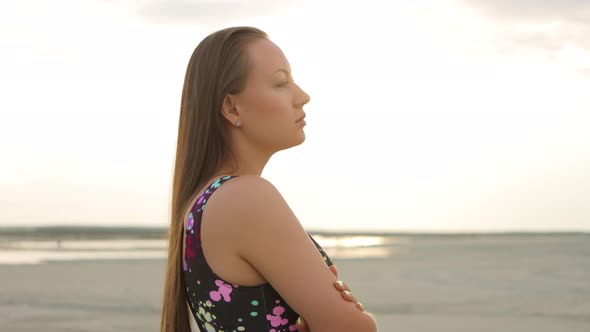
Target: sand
[[430, 283]]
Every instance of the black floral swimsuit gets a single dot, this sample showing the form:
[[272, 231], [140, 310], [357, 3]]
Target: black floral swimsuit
[[218, 305]]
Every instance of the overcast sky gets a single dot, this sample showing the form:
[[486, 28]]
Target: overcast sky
[[428, 115]]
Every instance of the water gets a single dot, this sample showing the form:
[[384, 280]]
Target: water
[[45, 246]]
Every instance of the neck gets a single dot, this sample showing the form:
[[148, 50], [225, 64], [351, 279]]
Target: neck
[[249, 159]]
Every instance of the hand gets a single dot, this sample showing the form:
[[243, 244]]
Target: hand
[[346, 294]]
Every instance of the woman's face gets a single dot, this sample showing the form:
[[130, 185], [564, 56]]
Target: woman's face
[[271, 103]]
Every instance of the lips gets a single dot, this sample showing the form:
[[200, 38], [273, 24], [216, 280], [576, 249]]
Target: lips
[[301, 118]]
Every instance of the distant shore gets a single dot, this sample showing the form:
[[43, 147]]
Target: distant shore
[[130, 232]]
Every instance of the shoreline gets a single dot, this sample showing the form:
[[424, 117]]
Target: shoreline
[[130, 232]]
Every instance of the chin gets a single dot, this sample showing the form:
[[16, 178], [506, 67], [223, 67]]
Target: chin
[[298, 139], [301, 137]]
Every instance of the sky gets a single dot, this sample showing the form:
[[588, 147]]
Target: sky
[[427, 115]]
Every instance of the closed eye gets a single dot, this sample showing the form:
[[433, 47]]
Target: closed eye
[[286, 82]]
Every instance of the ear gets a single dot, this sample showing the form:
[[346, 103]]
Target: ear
[[228, 108]]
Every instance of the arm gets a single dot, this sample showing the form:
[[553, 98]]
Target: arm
[[273, 241]]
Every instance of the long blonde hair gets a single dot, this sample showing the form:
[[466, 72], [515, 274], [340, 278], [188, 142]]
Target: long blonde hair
[[219, 65]]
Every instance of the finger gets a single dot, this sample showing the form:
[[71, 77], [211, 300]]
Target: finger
[[333, 269], [360, 306], [341, 285], [348, 296], [301, 325]]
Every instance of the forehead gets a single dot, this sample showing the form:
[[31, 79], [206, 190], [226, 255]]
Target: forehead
[[266, 57]]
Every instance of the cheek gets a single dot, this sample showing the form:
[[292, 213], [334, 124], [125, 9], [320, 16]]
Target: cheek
[[271, 118], [269, 105]]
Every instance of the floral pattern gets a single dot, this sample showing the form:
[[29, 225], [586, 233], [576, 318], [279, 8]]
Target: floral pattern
[[218, 305]]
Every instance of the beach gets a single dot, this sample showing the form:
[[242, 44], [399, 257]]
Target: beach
[[508, 282]]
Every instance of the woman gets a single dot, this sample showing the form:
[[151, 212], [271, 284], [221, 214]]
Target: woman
[[246, 264]]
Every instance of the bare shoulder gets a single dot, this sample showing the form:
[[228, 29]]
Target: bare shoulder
[[252, 203], [246, 194], [235, 204], [271, 239], [248, 184]]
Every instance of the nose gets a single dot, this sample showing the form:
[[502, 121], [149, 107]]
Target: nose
[[304, 98]]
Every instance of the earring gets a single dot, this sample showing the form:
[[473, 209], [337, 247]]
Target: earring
[[238, 123]]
